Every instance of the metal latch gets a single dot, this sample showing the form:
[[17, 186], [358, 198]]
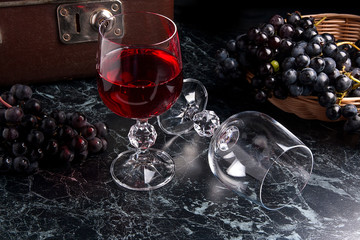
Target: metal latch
[[79, 22]]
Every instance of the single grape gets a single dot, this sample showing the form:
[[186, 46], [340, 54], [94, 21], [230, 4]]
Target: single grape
[[261, 38], [345, 66], [298, 33], [229, 64], [341, 57], [268, 29], [231, 45], [347, 48], [33, 106], [307, 22], [355, 72], [79, 144], [265, 69], [355, 92], [307, 76], [78, 120], [352, 124], [286, 31], [297, 50], [313, 49], [221, 54], [285, 46], [95, 145], [66, 132], [35, 137], [319, 39], [322, 82], [101, 129], [317, 63], [302, 61], [29, 121], [14, 114], [294, 18], [252, 33], [287, 63], [19, 149], [327, 99], [307, 90], [277, 21], [330, 65], [296, 90], [333, 112], [52, 147], [333, 75], [21, 164], [269, 82], [274, 42], [289, 76], [6, 163], [48, 126], [330, 49], [309, 33], [104, 144], [328, 37], [280, 91], [349, 111], [88, 132], [264, 53], [66, 155], [36, 155], [59, 116], [241, 44], [343, 83]]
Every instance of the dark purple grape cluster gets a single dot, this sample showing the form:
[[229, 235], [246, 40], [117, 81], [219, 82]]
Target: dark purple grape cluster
[[288, 57], [32, 139]]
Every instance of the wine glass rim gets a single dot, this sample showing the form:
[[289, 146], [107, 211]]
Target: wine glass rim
[[141, 12], [303, 185]]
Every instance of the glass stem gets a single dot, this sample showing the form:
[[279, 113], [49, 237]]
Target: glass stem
[[142, 135]]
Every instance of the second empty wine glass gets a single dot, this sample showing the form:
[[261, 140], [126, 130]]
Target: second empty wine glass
[[250, 153]]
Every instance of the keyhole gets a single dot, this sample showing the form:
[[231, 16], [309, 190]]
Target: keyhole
[[77, 22]]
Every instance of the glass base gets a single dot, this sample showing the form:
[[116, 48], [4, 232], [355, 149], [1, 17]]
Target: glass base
[[142, 171]]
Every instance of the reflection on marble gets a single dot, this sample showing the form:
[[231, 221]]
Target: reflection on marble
[[84, 203]]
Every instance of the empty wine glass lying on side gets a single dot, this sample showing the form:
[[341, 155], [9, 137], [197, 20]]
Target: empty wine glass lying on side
[[250, 153]]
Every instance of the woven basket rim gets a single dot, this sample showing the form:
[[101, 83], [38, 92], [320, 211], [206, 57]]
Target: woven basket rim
[[339, 15]]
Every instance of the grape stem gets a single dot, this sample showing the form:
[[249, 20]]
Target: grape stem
[[350, 43], [320, 21], [341, 97], [5, 103]]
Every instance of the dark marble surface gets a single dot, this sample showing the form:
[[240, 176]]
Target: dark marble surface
[[84, 203]]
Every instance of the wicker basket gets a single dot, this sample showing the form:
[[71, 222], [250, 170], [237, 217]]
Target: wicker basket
[[344, 27]]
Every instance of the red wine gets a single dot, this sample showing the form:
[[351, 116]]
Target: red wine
[[139, 82]]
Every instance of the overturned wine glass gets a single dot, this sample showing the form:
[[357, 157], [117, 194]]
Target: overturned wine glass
[[250, 153]]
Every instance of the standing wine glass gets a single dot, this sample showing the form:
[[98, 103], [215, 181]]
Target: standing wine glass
[[140, 76]]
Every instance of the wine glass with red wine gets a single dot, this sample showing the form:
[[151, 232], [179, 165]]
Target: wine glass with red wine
[[140, 76]]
